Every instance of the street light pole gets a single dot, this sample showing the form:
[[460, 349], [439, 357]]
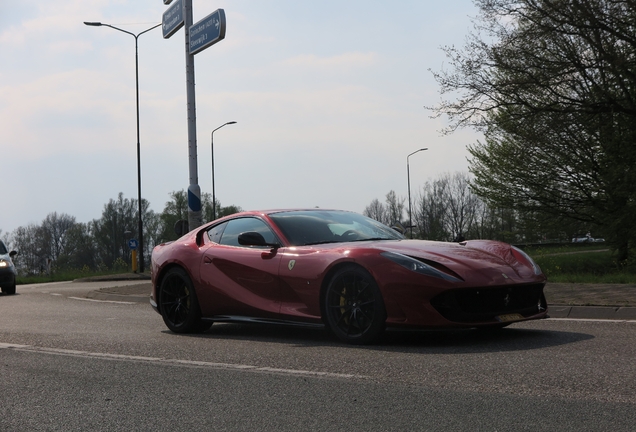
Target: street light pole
[[408, 177], [212, 152], [140, 223]]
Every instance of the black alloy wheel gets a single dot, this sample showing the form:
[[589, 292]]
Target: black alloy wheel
[[354, 307], [178, 303]]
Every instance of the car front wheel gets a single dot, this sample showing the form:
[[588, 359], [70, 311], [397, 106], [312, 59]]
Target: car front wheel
[[354, 308], [8, 289], [178, 303]]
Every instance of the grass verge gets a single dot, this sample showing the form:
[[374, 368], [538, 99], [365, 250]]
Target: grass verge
[[578, 265]]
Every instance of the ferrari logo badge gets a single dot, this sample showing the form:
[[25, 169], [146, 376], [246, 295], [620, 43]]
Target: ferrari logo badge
[[291, 264]]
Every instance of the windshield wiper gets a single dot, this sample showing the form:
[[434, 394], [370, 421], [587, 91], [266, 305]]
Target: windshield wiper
[[348, 241], [371, 239], [323, 242]]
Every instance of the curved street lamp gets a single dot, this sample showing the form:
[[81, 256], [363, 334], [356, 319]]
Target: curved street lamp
[[140, 223], [408, 176], [212, 152]]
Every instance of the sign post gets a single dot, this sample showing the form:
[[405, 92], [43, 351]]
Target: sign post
[[133, 244], [198, 37]]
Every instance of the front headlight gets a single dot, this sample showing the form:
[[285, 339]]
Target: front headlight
[[4, 263], [418, 266], [516, 252]]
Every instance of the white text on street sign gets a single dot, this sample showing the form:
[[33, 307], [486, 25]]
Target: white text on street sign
[[207, 32], [172, 19]]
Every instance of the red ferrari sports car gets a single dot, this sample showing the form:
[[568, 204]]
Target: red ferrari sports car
[[342, 270]]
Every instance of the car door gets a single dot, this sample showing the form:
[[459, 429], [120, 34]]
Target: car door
[[240, 280]]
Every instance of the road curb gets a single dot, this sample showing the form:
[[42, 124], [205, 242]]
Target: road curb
[[592, 312], [99, 295]]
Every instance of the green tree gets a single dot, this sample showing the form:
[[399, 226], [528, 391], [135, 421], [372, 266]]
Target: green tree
[[177, 209], [119, 217], [80, 251], [552, 84]]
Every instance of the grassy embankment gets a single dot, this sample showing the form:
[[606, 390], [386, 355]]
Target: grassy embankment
[[66, 275], [590, 263]]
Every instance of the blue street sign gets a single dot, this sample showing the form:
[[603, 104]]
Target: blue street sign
[[207, 32], [172, 19], [133, 244]]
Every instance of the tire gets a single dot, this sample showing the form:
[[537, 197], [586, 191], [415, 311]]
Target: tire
[[9, 290], [178, 303], [353, 306]]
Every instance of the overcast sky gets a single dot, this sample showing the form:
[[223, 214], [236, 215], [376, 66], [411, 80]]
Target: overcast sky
[[328, 98]]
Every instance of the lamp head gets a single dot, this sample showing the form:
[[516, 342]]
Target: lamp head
[[94, 24]]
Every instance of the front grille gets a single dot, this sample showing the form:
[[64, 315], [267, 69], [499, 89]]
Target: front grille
[[476, 305]]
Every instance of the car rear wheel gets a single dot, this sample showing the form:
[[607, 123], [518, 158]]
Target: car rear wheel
[[178, 303], [8, 289], [354, 309]]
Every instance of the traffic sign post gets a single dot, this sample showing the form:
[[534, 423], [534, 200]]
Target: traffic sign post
[[198, 37], [133, 244], [207, 32]]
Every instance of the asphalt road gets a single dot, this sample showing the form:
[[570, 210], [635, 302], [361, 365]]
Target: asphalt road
[[71, 363]]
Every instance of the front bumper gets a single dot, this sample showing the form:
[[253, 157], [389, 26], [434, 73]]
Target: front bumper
[[487, 305]]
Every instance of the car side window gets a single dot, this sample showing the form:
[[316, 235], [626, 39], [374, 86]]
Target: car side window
[[237, 226], [215, 233]]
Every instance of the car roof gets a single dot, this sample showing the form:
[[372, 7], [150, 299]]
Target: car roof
[[273, 211]]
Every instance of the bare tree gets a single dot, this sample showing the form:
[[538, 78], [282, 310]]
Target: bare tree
[[31, 257], [53, 230], [376, 211], [430, 210], [462, 204], [394, 207]]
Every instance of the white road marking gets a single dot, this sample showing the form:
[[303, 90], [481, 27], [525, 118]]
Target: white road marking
[[40, 285], [175, 362], [103, 301]]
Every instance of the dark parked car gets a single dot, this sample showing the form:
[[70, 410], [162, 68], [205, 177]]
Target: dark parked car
[[7, 270], [341, 270]]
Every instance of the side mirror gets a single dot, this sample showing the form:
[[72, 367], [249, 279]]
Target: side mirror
[[13, 253], [252, 238], [397, 226]]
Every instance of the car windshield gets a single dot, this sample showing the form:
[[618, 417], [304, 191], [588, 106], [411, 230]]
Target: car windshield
[[310, 227], [3, 249]]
